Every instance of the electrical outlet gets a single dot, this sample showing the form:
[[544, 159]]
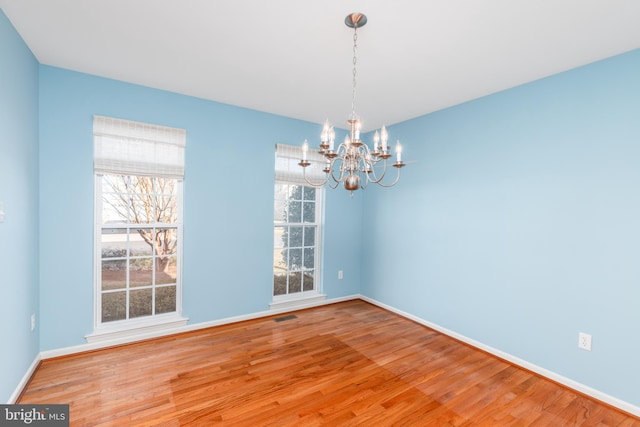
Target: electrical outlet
[[33, 322], [584, 341], [340, 275]]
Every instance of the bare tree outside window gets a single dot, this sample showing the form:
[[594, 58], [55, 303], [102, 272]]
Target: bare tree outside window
[[146, 200]]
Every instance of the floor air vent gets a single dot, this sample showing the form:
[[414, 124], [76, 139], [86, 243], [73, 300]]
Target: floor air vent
[[283, 318]]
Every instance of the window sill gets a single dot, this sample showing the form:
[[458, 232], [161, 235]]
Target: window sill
[[136, 330], [297, 301]]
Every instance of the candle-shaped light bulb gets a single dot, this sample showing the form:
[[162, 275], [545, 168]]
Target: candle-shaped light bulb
[[332, 138], [376, 141], [357, 127], [384, 138], [305, 148], [324, 136], [398, 152]]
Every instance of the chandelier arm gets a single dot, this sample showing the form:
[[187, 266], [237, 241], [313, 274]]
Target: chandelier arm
[[376, 179], [365, 181], [333, 186], [313, 184], [393, 183], [332, 174]]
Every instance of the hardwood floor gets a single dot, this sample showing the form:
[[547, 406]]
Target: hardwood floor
[[343, 364]]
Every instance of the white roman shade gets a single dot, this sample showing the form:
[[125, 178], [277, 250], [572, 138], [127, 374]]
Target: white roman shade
[[287, 168], [133, 148]]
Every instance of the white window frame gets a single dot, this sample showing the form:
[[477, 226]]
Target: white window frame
[[127, 329]]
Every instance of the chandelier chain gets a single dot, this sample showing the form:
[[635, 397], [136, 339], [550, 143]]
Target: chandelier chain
[[355, 51]]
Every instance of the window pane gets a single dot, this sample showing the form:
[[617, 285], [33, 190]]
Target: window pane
[[141, 184], [309, 193], [114, 183], [279, 212], [296, 192], [141, 241], [116, 198], [114, 209], [165, 299], [140, 303], [309, 257], [295, 211], [166, 210], [295, 236], [166, 270], [295, 259], [280, 203], [308, 281], [280, 258], [114, 274], [166, 241], [114, 306], [280, 237], [279, 283], [142, 211], [114, 242], [140, 272], [165, 186], [309, 212], [294, 283], [309, 236]]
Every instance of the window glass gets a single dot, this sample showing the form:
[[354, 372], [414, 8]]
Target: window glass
[[114, 306], [138, 246], [295, 238]]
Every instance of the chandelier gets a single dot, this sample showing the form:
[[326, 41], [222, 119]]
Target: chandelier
[[352, 162]]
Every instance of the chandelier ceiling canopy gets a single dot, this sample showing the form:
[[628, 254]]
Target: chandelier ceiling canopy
[[352, 162]]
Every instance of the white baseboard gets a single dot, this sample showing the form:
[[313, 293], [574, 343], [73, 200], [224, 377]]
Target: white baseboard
[[25, 380], [567, 382]]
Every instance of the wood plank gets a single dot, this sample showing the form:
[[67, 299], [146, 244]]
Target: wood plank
[[350, 363]]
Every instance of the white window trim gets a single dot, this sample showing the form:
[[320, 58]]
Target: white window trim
[[298, 299], [304, 298], [131, 328], [135, 328]]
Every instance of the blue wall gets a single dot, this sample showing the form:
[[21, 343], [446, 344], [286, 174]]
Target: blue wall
[[519, 225], [19, 194], [228, 201]]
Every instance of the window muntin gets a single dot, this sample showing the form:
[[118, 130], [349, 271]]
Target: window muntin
[[296, 236], [138, 246]]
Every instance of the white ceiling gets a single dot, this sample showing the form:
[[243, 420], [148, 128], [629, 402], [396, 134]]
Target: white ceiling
[[294, 57]]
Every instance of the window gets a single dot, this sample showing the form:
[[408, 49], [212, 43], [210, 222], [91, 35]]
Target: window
[[295, 238], [139, 170], [297, 228], [138, 246]]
